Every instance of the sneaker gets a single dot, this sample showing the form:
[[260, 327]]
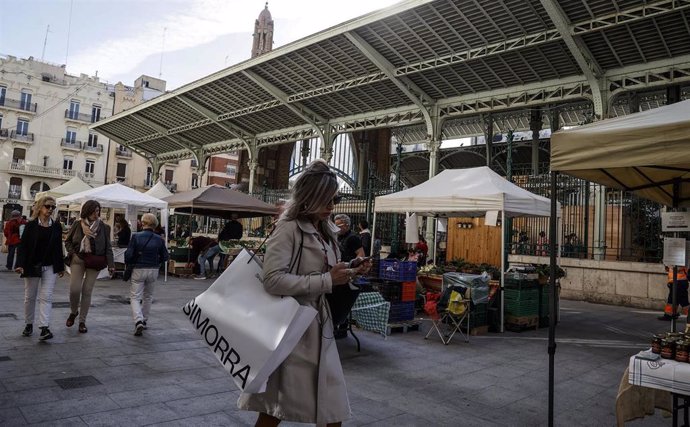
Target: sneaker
[[138, 329], [199, 277], [45, 334], [145, 327], [28, 330]]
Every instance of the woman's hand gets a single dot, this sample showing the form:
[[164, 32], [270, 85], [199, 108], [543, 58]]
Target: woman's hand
[[19, 270], [362, 268], [341, 274]]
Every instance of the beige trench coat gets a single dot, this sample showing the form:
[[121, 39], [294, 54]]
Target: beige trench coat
[[309, 385]]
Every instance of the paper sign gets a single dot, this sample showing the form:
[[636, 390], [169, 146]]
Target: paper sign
[[674, 251], [675, 221], [491, 218], [411, 229]]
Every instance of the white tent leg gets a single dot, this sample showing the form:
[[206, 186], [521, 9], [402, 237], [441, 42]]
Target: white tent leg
[[503, 263]]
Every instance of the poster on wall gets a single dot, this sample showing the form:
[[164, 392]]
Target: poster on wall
[[675, 221], [675, 251]]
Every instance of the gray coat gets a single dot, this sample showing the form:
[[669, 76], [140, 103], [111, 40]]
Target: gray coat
[[309, 386], [103, 246]]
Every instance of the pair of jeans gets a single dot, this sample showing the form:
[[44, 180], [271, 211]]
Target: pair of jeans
[[207, 256], [40, 288], [11, 251], [81, 284], [141, 289]]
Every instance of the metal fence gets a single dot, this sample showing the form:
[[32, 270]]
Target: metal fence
[[624, 227]]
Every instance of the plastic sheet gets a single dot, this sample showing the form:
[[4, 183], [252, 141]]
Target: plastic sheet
[[478, 284]]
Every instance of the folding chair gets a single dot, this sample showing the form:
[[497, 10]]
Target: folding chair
[[448, 323]]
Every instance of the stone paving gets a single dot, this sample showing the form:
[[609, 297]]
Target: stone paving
[[168, 378]]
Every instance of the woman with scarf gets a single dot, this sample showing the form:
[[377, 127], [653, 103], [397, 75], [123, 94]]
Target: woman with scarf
[[39, 261], [88, 244]]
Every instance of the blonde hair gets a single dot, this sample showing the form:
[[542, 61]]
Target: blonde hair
[[315, 188], [149, 220], [39, 204]]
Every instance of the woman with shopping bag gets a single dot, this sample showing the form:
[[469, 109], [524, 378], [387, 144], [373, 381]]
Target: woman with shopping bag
[[301, 261]]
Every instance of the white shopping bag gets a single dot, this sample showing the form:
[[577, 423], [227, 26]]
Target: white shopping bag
[[248, 330]]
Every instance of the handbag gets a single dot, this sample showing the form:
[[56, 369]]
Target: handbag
[[129, 269], [96, 262], [4, 249], [249, 331]]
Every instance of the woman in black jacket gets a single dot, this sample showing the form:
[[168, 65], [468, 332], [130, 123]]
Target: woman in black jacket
[[40, 262]]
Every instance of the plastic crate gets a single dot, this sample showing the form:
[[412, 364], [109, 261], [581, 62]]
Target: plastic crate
[[401, 271], [390, 291], [409, 291], [521, 294], [401, 311], [522, 308], [512, 283]]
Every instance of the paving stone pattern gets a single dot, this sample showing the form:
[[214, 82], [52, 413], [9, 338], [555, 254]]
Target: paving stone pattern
[[168, 377]]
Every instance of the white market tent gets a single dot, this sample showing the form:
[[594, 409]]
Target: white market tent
[[159, 191], [120, 197], [74, 185], [466, 193], [647, 153]]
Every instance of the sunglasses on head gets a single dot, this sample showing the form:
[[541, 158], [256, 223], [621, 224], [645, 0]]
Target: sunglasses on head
[[49, 207]]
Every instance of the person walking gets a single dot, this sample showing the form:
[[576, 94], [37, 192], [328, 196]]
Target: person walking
[[88, 239], [146, 252], [40, 263], [123, 233], [12, 237], [302, 261]]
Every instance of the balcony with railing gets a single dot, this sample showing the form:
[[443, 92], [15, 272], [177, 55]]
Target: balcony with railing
[[16, 104], [27, 138], [81, 117], [171, 186], [123, 152], [71, 144], [98, 148], [148, 183], [22, 168]]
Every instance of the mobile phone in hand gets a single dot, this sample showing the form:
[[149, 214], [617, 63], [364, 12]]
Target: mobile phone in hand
[[358, 261]]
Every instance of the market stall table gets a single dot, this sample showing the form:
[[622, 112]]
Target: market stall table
[[370, 313], [664, 374]]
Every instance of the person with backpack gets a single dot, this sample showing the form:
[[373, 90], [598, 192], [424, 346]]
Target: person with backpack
[[12, 237]]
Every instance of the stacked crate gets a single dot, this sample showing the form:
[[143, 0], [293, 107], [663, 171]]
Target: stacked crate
[[398, 286], [522, 295]]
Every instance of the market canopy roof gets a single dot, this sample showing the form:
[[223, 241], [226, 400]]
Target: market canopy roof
[[465, 193], [390, 67], [647, 153], [159, 191], [74, 185], [114, 196], [216, 200]]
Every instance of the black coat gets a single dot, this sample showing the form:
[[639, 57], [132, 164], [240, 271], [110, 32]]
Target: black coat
[[29, 254]]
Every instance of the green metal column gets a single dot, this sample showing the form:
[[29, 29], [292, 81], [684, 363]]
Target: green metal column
[[508, 229], [395, 247]]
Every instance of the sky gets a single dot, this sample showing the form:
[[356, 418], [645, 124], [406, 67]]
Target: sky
[[119, 40]]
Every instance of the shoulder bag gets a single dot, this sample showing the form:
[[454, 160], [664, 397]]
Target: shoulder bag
[[130, 267]]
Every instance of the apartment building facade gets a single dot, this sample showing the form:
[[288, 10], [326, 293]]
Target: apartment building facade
[[45, 139]]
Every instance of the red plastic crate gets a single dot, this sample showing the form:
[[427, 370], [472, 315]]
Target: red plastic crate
[[409, 291]]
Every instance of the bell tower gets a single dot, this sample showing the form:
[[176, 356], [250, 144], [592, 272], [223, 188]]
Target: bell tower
[[263, 33]]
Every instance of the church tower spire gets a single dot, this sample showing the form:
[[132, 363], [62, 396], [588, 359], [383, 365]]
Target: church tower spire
[[263, 33]]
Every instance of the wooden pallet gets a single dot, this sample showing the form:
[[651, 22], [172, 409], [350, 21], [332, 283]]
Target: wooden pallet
[[403, 327], [519, 324]]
